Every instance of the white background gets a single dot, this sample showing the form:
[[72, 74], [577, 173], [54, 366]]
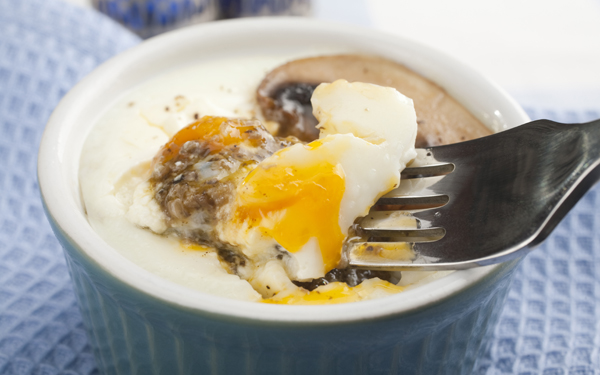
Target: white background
[[545, 52]]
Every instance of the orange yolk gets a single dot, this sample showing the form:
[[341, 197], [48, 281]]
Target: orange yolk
[[304, 200], [217, 132], [336, 293]]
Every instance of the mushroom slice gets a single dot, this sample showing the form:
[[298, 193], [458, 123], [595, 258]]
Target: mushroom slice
[[284, 97]]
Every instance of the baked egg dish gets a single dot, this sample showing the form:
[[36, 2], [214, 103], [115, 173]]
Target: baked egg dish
[[194, 178]]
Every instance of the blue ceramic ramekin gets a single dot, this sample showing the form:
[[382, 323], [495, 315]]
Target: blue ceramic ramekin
[[139, 323]]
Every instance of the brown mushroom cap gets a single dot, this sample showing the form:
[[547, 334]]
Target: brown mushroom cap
[[441, 119]]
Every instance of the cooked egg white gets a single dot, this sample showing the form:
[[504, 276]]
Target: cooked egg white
[[306, 197]]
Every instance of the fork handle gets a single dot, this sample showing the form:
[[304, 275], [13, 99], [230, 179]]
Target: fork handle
[[582, 179]]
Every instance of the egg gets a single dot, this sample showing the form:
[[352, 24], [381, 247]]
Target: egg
[[305, 197], [274, 209], [202, 225], [379, 115]]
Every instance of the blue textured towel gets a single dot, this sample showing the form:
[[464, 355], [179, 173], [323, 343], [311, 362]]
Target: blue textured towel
[[548, 326], [46, 46]]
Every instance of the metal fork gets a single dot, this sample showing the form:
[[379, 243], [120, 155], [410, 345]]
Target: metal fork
[[479, 202]]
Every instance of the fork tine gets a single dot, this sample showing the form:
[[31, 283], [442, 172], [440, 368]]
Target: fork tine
[[389, 219], [399, 226], [406, 222], [380, 256], [408, 235], [412, 194], [435, 169], [411, 202]]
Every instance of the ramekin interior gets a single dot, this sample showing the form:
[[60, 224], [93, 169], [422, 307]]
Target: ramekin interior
[[83, 105]]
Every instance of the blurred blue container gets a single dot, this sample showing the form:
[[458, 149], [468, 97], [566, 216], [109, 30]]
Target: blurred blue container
[[252, 8], [150, 17]]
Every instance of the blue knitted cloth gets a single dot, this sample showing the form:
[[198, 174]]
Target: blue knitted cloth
[[46, 46]]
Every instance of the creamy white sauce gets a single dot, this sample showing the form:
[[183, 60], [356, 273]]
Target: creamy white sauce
[[119, 149]]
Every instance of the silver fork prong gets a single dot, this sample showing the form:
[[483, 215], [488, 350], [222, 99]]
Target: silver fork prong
[[413, 202], [399, 226], [408, 235], [412, 194], [430, 170], [389, 220], [380, 256]]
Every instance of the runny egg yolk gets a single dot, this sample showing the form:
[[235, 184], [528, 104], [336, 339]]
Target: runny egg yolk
[[217, 132], [295, 202]]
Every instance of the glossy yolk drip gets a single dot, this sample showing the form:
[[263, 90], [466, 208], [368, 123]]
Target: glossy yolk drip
[[217, 132], [305, 201], [336, 293]]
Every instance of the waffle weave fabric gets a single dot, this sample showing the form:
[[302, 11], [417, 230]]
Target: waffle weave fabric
[[46, 46], [548, 325]]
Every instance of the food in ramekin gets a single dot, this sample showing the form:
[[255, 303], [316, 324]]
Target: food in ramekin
[[184, 179]]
